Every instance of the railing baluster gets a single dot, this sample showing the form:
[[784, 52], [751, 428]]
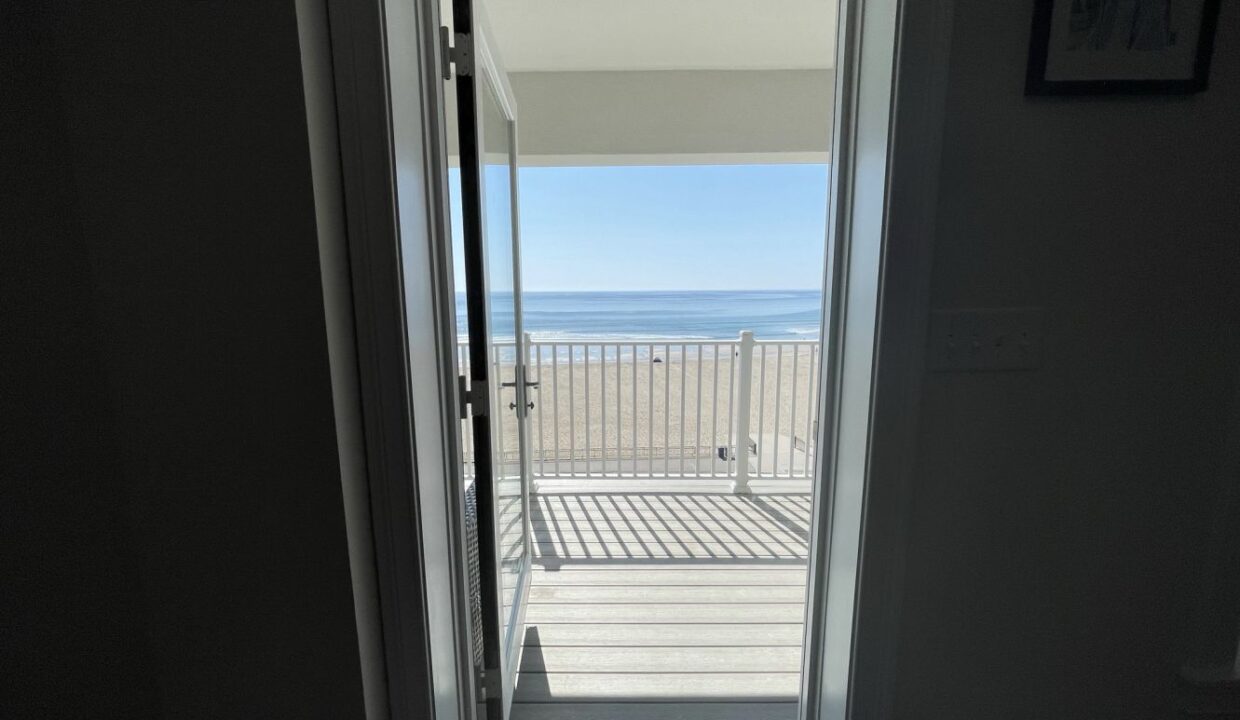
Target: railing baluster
[[683, 382], [810, 406], [542, 436], [650, 405], [633, 360], [792, 414], [730, 458], [602, 384], [619, 403], [779, 388], [697, 425], [586, 361], [667, 410], [714, 408], [555, 400], [812, 420], [572, 416], [761, 410]]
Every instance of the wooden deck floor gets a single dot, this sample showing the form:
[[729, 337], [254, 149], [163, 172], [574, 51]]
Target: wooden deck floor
[[653, 605]]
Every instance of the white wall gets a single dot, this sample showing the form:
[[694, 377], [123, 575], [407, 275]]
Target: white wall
[[1060, 516]]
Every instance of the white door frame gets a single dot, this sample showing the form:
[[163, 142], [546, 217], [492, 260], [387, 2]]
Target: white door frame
[[890, 88], [374, 96], [380, 169], [856, 229]]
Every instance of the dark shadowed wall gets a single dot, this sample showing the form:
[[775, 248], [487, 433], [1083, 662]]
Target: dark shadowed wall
[[173, 532], [1062, 520]]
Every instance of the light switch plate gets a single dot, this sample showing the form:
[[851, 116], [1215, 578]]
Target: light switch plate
[[986, 339]]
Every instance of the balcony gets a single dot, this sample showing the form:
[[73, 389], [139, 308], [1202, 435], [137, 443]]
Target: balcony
[[657, 590]]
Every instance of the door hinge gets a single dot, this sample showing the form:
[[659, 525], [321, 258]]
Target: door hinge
[[461, 54], [487, 682], [473, 401]]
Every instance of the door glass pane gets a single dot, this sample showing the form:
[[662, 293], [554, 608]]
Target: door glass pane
[[497, 223]]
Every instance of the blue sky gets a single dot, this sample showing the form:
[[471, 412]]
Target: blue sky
[[701, 227]]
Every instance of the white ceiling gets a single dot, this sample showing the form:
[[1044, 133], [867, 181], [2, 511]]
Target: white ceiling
[[582, 35]]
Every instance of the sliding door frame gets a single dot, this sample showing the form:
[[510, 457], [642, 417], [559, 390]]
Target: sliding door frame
[[374, 108], [891, 81]]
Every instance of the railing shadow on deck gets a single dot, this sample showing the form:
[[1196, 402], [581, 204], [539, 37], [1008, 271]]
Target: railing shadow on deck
[[603, 528]]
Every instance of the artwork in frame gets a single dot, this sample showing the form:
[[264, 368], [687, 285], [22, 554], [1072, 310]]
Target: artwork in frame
[[1091, 47]]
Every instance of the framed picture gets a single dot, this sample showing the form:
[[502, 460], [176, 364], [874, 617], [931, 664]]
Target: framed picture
[[1090, 47]]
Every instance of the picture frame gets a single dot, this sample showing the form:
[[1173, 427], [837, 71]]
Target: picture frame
[[1100, 47]]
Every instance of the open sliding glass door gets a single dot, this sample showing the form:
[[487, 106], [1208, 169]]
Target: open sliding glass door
[[498, 400]]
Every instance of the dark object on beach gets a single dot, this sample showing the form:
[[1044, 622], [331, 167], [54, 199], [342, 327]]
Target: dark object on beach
[[658, 360]]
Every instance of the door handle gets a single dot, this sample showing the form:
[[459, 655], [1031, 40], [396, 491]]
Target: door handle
[[514, 384]]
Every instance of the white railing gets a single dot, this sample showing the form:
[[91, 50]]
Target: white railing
[[664, 408]]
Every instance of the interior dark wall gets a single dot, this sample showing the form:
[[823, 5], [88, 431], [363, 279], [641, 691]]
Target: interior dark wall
[[1062, 517], [174, 540]]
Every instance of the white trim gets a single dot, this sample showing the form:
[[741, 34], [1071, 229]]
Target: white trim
[[520, 376], [490, 78], [314, 39], [918, 115], [383, 59], [857, 230], [892, 84], [416, 97]]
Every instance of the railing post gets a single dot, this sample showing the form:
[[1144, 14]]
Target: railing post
[[740, 484]]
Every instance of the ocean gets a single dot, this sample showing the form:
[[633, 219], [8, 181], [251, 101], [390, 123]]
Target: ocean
[[697, 314]]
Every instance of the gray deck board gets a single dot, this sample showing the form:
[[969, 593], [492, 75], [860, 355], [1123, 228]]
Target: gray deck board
[[631, 575], [656, 711], [607, 635], [792, 612], [644, 594], [646, 687], [660, 603], [663, 660]]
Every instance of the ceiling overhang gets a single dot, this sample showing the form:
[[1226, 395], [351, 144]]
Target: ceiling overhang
[[667, 82]]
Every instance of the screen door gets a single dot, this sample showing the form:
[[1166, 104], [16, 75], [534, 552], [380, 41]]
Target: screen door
[[499, 401]]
